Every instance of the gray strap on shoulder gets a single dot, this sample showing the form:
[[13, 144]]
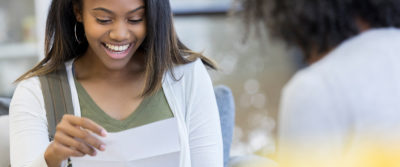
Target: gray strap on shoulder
[[57, 97]]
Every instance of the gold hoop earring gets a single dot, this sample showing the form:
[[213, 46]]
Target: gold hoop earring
[[76, 36]]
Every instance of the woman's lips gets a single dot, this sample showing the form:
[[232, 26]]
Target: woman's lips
[[116, 54]]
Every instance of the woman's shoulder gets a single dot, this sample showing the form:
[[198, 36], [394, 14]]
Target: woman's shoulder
[[31, 83], [189, 70], [29, 87], [28, 94], [182, 78], [188, 66]]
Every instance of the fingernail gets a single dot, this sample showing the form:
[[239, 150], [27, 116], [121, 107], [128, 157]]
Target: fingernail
[[94, 153], [103, 133], [102, 147]]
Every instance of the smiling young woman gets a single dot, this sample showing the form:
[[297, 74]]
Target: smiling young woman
[[128, 68]]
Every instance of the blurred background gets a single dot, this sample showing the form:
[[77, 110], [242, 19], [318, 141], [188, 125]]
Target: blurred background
[[255, 71]]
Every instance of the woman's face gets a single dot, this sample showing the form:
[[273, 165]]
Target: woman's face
[[114, 29]]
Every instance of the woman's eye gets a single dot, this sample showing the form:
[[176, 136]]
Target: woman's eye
[[103, 21], [135, 21]]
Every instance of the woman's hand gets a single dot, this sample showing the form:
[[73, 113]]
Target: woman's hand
[[72, 139]]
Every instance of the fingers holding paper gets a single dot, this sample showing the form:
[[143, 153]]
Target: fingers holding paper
[[73, 138], [74, 143]]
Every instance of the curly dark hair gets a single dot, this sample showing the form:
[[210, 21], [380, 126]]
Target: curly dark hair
[[319, 25]]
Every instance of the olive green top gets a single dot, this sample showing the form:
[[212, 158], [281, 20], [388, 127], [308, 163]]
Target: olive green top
[[153, 108]]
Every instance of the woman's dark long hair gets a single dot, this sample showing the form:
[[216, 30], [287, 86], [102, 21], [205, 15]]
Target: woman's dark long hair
[[162, 47]]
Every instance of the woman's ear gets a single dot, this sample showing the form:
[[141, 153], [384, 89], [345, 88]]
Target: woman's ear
[[78, 13]]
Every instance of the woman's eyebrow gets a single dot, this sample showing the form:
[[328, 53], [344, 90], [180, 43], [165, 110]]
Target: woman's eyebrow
[[111, 12], [103, 9], [135, 10]]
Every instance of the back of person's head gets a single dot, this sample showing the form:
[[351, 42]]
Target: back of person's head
[[320, 25]]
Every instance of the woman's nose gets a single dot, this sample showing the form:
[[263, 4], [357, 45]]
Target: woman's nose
[[120, 32]]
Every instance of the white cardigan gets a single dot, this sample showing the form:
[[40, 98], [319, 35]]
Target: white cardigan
[[191, 99]]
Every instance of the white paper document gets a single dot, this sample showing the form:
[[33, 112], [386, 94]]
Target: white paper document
[[151, 145]]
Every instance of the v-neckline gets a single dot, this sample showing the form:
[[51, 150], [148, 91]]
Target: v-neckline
[[103, 114], [107, 117]]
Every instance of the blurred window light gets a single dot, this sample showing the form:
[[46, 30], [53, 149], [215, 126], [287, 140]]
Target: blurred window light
[[19, 49], [200, 7]]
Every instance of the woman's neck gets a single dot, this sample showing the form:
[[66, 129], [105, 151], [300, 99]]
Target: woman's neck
[[89, 66]]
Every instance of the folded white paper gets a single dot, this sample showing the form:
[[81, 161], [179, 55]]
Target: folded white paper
[[151, 145]]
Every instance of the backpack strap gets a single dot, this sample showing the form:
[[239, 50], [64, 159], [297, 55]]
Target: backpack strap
[[57, 97]]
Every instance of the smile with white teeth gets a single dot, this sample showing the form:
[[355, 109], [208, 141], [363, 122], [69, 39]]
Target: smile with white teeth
[[116, 48]]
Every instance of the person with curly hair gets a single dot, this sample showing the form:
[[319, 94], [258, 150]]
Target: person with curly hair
[[343, 107]]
